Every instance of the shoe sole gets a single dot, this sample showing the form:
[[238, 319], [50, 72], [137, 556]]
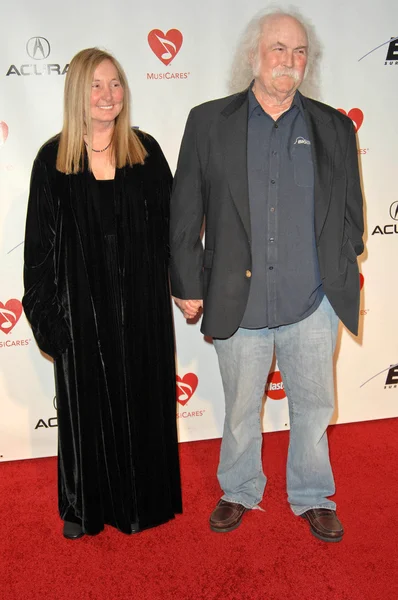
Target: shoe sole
[[74, 537], [326, 539]]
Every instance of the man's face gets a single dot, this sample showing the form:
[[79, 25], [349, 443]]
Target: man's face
[[280, 64]]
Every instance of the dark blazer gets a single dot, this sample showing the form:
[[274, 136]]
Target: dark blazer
[[211, 181]]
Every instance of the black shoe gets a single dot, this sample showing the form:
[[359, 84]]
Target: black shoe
[[72, 531]]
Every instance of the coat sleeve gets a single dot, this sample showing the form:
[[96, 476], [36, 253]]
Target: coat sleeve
[[41, 304], [354, 206], [186, 219], [164, 182]]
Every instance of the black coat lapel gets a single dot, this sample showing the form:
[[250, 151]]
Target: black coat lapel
[[323, 141], [234, 141]]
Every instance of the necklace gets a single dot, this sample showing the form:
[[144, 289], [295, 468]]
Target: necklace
[[103, 149]]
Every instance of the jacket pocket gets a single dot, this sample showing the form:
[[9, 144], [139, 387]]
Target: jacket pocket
[[348, 251]]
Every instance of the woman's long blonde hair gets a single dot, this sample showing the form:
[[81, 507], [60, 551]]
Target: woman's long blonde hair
[[126, 148]]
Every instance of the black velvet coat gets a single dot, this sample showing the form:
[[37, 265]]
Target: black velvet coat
[[99, 304]]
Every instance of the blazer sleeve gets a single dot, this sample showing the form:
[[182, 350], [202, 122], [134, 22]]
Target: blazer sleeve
[[41, 304], [354, 205], [186, 219]]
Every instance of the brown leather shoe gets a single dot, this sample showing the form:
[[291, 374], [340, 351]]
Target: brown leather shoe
[[226, 516], [324, 524]]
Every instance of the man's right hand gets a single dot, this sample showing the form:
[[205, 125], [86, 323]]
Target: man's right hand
[[189, 308]]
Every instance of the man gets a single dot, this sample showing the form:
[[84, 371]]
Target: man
[[275, 175]]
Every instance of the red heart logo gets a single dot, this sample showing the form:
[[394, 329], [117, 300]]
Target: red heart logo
[[9, 315], [361, 281], [165, 45], [186, 387], [356, 115], [3, 132]]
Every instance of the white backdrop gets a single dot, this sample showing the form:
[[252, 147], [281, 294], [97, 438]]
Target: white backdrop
[[359, 75]]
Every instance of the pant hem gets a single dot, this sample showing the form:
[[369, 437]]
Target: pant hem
[[300, 510], [245, 504]]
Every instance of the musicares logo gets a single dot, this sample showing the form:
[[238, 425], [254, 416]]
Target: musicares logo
[[361, 281], [10, 313], [165, 46], [3, 132], [356, 116], [186, 387], [274, 386]]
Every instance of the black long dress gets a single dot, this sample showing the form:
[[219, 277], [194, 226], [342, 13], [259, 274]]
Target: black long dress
[[97, 297]]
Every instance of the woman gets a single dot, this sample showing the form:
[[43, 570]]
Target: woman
[[97, 298]]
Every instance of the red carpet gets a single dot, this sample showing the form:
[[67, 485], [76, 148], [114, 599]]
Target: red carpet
[[271, 556]]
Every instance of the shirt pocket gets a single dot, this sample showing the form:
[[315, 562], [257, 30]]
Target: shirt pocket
[[302, 163]]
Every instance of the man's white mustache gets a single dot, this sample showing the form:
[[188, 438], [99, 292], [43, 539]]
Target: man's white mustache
[[288, 72]]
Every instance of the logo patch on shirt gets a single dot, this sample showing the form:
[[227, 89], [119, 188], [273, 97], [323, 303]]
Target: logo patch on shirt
[[301, 140]]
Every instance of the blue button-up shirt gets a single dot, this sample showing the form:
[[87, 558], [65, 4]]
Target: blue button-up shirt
[[285, 285]]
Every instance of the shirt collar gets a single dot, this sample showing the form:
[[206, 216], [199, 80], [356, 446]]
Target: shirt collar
[[254, 103]]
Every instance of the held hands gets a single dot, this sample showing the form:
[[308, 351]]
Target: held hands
[[189, 308]]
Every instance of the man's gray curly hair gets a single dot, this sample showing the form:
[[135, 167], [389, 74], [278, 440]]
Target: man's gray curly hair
[[242, 68]]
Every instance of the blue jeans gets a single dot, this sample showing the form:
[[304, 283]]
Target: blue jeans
[[304, 351]]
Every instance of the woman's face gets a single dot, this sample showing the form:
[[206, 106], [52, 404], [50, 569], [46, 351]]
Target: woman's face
[[106, 93]]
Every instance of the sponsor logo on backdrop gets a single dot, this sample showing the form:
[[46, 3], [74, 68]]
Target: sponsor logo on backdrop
[[3, 132], [10, 313], [392, 378], [363, 311], [356, 116], [3, 139], [166, 46], [48, 423], [38, 49], [392, 52], [389, 228], [186, 387], [394, 211], [391, 381], [274, 388]]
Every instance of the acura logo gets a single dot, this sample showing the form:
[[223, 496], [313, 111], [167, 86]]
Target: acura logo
[[38, 48], [394, 211]]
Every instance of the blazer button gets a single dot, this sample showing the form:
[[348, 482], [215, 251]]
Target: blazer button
[[248, 274]]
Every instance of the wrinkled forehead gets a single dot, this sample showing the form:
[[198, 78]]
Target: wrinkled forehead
[[284, 29]]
